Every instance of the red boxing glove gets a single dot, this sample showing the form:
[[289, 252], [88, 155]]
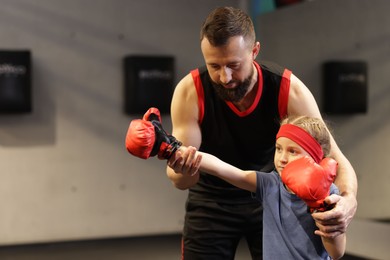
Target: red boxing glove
[[166, 145], [142, 142], [152, 114], [310, 181], [140, 138]]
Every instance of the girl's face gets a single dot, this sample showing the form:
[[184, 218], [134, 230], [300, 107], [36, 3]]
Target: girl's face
[[287, 151]]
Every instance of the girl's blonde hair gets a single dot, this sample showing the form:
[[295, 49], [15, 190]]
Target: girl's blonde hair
[[315, 127]]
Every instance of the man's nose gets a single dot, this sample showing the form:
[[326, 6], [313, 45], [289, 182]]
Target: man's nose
[[225, 75]]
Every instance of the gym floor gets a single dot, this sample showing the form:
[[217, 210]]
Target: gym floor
[[145, 248]]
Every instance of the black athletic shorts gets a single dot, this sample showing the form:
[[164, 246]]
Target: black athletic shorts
[[213, 230]]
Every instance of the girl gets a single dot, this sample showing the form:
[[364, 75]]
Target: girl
[[288, 228]]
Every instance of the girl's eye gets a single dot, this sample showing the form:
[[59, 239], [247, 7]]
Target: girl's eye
[[293, 151]]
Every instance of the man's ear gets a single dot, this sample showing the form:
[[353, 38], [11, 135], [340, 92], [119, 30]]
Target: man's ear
[[255, 50]]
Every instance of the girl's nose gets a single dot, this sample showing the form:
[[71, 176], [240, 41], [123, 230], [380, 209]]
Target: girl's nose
[[283, 158]]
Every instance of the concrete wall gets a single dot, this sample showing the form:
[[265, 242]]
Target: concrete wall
[[65, 172]]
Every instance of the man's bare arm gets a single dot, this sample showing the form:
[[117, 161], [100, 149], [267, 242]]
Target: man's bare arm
[[334, 222], [185, 127]]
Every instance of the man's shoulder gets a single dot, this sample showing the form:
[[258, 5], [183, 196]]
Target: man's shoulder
[[271, 67]]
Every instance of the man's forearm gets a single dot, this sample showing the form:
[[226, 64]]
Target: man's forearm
[[346, 179], [182, 181]]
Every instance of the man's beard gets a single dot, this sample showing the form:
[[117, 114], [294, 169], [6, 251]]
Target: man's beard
[[234, 94]]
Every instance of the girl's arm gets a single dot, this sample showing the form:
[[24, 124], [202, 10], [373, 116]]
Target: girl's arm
[[335, 246], [214, 166]]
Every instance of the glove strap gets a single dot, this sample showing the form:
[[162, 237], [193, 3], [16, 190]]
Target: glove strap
[[321, 208], [167, 150]]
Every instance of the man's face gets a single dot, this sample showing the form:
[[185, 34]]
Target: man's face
[[233, 94], [230, 67]]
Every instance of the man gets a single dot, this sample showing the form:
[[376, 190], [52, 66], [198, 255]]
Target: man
[[231, 108]]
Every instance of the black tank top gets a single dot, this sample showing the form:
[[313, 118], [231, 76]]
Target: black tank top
[[244, 139]]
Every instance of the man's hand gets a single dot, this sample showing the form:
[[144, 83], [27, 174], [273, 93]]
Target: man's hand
[[334, 222], [185, 161]]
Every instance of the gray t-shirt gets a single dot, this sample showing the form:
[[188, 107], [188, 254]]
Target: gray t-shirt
[[288, 227]]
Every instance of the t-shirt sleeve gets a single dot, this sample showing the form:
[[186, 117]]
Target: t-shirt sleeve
[[264, 181]]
